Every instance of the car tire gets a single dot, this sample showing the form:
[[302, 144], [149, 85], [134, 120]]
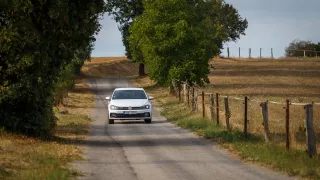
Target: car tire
[[148, 121], [111, 121]]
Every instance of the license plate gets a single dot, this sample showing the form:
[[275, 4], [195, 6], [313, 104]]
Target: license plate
[[129, 112]]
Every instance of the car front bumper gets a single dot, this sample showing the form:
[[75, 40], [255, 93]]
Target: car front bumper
[[130, 114]]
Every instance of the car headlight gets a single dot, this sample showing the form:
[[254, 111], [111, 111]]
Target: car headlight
[[114, 107], [146, 106]]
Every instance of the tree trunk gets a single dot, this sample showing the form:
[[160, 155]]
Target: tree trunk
[[141, 69]]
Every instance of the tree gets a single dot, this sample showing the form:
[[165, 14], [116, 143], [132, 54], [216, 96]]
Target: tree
[[38, 41], [231, 23], [299, 48], [177, 38], [176, 41], [125, 12]]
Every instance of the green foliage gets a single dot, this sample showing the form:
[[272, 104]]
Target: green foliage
[[227, 17], [64, 83], [38, 40], [176, 38], [175, 41], [296, 48]]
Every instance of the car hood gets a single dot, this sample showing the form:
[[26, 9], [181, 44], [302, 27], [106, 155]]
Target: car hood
[[129, 102]]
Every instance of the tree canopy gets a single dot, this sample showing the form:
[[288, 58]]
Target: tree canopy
[[231, 23], [38, 41], [177, 38], [297, 47]]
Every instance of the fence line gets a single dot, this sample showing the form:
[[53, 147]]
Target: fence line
[[292, 131], [267, 52]]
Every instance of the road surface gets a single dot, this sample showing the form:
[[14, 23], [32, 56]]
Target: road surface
[[157, 151]]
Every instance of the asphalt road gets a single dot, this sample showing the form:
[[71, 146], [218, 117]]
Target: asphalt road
[[135, 150]]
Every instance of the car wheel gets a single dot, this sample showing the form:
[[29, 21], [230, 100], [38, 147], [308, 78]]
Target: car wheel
[[147, 121], [111, 121]]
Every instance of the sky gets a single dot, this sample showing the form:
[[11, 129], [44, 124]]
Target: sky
[[271, 24]]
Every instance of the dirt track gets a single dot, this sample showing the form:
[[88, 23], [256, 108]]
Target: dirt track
[[135, 150]]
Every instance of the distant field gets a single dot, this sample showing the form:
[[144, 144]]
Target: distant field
[[296, 79], [102, 60], [109, 67], [272, 79]]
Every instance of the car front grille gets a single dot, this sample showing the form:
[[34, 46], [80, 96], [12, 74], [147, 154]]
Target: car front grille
[[139, 115], [132, 108]]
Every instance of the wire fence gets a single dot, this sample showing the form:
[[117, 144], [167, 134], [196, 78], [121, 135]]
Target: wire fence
[[294, 125], [265, 53]]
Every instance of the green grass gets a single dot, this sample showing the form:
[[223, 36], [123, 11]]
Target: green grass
[[250, 149]]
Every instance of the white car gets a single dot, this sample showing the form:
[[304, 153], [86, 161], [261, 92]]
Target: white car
[[129, 104]]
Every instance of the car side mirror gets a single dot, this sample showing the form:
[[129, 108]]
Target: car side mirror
[[108, 98], [151, 97]]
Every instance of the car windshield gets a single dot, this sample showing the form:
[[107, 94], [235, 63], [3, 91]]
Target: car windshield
[[129, 94]]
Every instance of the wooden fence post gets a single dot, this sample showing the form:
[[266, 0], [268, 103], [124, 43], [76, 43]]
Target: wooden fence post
[[245, 130], [260, 52], [174, 84], [217, 102], [228, 50], [196, 100], [203, 106], [179, 91], [310, 135], [249, 52], [192, 100], [184, 92], [265, 117], [227, 112], [239, 53], [212, 106], [304, 53], [188, 95], [287, 124]]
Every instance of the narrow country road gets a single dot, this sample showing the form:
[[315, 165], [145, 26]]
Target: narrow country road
[[135, 150]]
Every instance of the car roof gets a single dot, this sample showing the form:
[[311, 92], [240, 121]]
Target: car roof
[[128, 89]]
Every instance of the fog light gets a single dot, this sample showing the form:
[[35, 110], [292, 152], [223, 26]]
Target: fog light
[[146, 114], [113, 115]]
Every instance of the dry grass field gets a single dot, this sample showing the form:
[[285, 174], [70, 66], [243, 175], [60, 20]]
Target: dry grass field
[[110, 67], [269, 79], [296, 79]]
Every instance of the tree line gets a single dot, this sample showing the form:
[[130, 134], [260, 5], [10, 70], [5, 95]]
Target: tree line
[[43, 45], [300, 48], [176, 38]]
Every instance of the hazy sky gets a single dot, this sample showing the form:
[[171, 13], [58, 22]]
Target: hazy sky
[[272, 24]]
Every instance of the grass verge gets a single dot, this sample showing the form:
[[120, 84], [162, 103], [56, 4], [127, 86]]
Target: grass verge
[[250, 149], [28, 158]]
